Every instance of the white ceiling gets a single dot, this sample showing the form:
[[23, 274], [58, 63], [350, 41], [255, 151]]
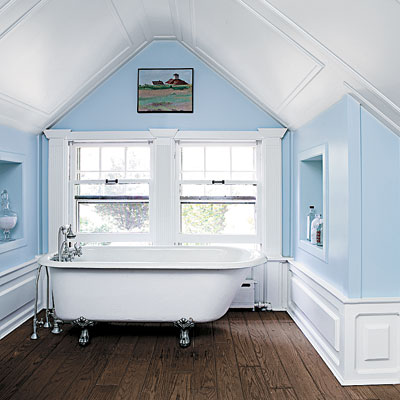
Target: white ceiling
[[292, 58]]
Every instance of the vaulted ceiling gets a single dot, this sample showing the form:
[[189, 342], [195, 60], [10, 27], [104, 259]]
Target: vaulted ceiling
[[292, 58]]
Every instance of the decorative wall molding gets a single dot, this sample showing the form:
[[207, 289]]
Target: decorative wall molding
[[58, 188], [17, 295], [359, 339]]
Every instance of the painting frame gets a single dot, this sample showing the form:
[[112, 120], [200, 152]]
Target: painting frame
[[174, 97]]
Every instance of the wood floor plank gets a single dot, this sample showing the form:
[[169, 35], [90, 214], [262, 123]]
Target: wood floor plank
[[275, 374], [283, 394], [203, 380], [14, 339], [222, 330], [321, 374], [14, 358], [132, 382], [64, 376], [114, 370], [180, 386], [32, 387], [244, 349], [386, 392], [87, 376], [227, 372], [23, 367], [253, 383], [157, 382], [298, 375], [102, 392], [202, 334], [282, 316], [360, 393]]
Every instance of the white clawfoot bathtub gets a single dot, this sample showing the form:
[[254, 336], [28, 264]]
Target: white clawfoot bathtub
[[158, 284]]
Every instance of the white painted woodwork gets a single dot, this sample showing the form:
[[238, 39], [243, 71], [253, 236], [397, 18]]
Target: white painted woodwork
[[359, 339], [271, 170], [17, 295], [293, 60], [162, 201], [58, 187]]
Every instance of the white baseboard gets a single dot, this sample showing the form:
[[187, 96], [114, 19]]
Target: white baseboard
[[359, 339], [17, 296]]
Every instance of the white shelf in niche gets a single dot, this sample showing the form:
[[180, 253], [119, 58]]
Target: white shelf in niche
[[313, 190], [12, 245], [317, 251]]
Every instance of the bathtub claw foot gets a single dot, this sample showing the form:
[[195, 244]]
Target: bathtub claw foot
[[84, 338], [83, 323], [184, 325]]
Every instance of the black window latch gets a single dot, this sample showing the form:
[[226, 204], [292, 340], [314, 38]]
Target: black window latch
[[111, 181], [218, 182]]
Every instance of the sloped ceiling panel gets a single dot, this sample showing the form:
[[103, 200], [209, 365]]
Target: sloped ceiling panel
[[53, 62], [261, 56]]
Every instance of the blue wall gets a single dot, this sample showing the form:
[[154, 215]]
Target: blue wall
[[329, 128], [14, 141], [217, 104], [363, 200], [380, 154]]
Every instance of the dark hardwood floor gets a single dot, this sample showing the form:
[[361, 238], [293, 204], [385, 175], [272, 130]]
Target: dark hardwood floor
[[244, 355]]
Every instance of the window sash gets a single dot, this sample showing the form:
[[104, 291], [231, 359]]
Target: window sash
[[217, 238], [73, 201]]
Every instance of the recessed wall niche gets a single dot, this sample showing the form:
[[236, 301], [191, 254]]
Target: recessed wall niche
[[313, 191], [12, 179]]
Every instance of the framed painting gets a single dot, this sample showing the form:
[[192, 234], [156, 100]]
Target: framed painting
[[165, 90]]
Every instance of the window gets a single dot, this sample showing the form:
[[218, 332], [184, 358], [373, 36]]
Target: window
[[217, 189], [110, 191]]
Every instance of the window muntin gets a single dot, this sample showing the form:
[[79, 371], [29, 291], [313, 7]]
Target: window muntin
[[112, 161], [111, 190], [217, 191], [229, 162]]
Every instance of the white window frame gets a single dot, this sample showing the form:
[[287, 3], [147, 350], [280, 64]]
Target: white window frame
[[217, 238], [270, 205], [72, 218]]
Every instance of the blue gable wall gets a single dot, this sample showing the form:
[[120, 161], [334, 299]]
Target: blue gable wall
[[217, 104], [14, 141]]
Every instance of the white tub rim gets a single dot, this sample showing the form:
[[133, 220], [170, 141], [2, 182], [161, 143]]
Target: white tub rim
[[255, 258]]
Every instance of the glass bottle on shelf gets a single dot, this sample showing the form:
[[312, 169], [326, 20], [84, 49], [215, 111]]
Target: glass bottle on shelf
[[8, 218], [310, 218]]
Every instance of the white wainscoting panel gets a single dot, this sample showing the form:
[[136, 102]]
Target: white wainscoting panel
[[359, 339], [17, 296]]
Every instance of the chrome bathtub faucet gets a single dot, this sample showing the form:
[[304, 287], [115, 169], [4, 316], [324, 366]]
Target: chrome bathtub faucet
[[65, 234]]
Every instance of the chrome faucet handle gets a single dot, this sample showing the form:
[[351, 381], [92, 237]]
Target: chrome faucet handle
[[77, 249], [70, 233]]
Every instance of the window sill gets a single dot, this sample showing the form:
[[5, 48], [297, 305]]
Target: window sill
[[12, 245], [313, 249]]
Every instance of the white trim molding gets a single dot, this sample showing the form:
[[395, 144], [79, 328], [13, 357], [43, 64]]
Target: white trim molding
[[17, 296], [359, 339]]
